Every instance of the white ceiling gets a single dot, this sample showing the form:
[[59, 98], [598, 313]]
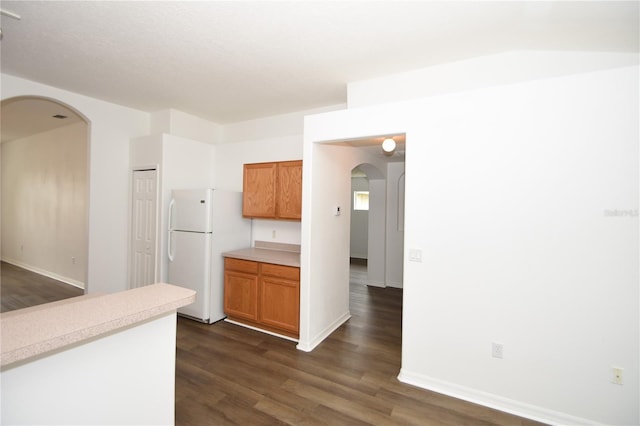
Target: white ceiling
[[233, 61]]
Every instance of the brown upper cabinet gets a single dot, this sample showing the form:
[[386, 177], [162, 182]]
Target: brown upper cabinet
[[273, 190]]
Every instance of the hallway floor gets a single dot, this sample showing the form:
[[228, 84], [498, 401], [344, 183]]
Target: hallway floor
[[20, 288]]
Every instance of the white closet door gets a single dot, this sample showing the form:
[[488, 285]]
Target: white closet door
[[143, 228]]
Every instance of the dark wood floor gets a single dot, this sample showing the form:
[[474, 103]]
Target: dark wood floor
[[227, 374], [20, 288]]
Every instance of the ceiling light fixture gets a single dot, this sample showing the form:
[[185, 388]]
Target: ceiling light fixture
[[10, 14], [5, 12], [388, 146]]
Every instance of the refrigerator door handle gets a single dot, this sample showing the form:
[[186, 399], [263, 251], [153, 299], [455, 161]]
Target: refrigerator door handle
[[171, 204], [169, 247]]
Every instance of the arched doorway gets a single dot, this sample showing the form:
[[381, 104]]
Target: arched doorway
[[45, 188]]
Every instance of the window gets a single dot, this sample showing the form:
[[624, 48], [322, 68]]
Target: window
[[361, 200]]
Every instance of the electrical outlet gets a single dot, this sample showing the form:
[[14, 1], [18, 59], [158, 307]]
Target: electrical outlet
[[497, 351], [273, 233], [73, 260], [616, 375]]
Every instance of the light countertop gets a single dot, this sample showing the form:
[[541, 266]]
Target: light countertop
[[30, 332], [279, 254]]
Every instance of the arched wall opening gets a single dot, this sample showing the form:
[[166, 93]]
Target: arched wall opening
[[45, 188]]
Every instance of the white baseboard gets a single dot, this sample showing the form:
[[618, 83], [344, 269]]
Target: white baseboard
[[492, 401], [394, 284], [45, 273], [374, 283], [308, 346], [282, 336]]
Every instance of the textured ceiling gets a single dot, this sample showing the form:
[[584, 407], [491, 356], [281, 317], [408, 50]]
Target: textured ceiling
[[233, 61]]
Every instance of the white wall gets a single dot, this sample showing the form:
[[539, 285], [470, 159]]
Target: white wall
[[178, 123], [359, 222], [480, 72], [228, 170], [277, 138], [111, 128], [395, 225], [509, 193], [44, 202], [272, 127]]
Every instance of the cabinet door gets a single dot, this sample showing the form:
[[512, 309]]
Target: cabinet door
[[241, 295], [289, 195], [259, 190], [279, 303]]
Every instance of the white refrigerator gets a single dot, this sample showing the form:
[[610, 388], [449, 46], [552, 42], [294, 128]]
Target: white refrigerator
[[204, 223]]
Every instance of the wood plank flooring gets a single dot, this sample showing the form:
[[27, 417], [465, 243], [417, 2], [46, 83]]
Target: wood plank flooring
[[230, 375], [227, 375], [20, 288]]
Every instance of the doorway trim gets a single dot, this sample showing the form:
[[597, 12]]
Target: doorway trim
[[324, 269]]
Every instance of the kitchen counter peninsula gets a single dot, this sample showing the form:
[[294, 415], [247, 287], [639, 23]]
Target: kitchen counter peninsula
[[114, 353], [34, 331]]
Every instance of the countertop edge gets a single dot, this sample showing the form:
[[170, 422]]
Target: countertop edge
[[137, 305], [277, 257]]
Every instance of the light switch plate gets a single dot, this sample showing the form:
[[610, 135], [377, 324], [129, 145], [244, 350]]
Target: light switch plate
[[415, 255]]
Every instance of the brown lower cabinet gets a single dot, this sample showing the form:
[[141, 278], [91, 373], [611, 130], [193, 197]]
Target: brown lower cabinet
[[263, 295]]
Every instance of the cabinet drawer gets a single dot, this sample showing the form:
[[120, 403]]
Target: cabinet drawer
[[280, 271], [248, 266]]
